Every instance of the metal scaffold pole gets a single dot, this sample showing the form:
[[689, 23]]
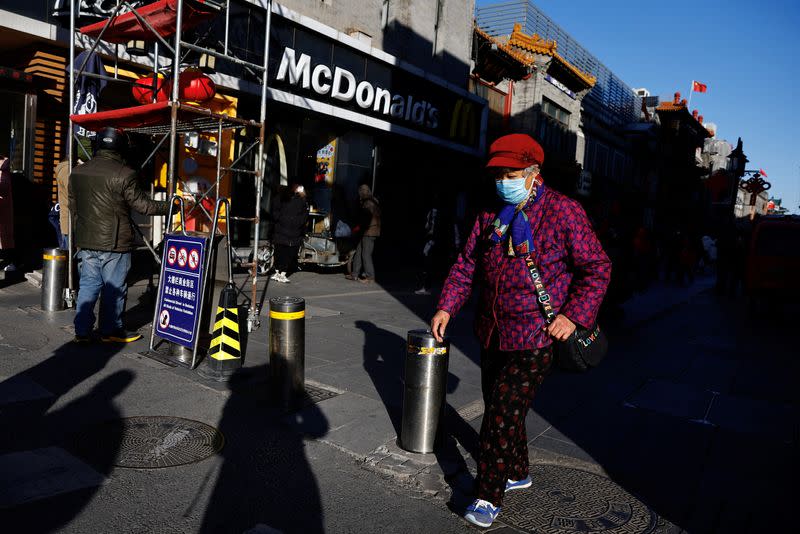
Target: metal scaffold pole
[[252, 319], [174, 104], [178, 117], [69, 296]]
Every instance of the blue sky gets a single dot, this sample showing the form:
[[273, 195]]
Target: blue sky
[[745, 51]]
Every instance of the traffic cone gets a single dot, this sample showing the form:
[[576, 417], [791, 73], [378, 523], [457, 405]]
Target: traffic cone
[[224, 353]]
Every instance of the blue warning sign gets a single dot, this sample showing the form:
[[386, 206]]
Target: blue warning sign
[[180, 289]]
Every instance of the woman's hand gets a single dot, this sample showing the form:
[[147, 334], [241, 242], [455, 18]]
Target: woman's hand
[[561, 328], [439, 324]]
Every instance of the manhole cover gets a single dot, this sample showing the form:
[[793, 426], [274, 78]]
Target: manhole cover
[[570, 500], [315, 395], [153, 442]]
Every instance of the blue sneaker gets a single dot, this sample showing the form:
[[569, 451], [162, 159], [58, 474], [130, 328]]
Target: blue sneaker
[[481, 513], [519, 484]]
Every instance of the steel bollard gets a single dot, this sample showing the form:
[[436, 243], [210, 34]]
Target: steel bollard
[[181, 353], [287, 350], [424, 391], [54, 270]]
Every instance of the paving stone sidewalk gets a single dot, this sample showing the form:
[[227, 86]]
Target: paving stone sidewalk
[[651, 432]]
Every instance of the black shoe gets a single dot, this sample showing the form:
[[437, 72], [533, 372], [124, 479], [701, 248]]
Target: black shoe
[[82, 340], [121, 336]]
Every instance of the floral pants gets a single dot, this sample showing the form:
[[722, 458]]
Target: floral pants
[[509, 380]]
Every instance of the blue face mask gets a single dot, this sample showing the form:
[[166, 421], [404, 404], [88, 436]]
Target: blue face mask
[[512, 190]]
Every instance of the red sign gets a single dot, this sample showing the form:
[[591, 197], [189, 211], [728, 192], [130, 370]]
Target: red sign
[[172, 255], [182, 256], [194, 259]]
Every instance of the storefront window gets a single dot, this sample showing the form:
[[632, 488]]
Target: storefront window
[[16, 127]]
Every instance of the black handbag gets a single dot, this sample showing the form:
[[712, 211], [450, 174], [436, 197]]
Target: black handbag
[[585, 348]]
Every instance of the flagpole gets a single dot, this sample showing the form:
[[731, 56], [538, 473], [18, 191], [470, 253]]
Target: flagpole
[[689, 105]]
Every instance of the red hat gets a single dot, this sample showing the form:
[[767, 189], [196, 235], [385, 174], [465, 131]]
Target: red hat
[[515, 151]]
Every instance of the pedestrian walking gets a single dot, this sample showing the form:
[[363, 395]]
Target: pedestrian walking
[[370, 229], [6, 217], [429, 244], [289, 215], [530, 222], [102, 193]]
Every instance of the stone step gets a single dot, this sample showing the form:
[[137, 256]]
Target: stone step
[[34, 278]]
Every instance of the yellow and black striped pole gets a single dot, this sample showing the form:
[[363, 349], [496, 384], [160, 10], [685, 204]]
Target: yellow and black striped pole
[[287, 350], [225, 352]]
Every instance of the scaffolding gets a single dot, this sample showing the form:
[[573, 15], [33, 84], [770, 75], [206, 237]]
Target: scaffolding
[[162, 22]]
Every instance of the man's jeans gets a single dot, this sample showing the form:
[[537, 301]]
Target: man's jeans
[[102, 275], [363, 257]]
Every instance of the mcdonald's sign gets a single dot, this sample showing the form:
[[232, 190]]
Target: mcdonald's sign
[[465, 123], [372, 90]]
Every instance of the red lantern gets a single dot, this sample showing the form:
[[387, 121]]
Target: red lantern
[[196, 86], [143, 90]]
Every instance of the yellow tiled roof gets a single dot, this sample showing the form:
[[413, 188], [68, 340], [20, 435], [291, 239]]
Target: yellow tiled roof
[[522, 58], [536, 45]]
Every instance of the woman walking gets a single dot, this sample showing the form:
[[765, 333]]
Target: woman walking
[[530, 222]]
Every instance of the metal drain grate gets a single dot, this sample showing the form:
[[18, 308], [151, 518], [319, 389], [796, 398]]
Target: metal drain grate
[[152, 442], [570, 500], [315, 395]]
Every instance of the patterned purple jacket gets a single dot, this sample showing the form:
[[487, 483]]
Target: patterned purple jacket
[[574, 268]]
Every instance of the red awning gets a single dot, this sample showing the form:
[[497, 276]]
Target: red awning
[[161, 15], [156, 119]]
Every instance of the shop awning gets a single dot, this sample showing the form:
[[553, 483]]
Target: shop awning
[[161, 15], [156, 119]]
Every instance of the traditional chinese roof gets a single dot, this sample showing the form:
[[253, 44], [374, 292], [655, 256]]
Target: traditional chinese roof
[[519, 57], [522, 50], [678, 108], [533, 44], [496, 61]]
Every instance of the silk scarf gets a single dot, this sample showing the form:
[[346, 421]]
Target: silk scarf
[[512, 221]]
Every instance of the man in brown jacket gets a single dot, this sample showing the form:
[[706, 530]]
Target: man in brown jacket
[[370, 225], [62, 173], [102, 193]]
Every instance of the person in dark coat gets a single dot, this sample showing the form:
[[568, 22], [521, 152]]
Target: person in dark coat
[[289, 215], [102, 193]]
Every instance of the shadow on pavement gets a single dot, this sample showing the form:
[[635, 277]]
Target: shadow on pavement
[[265, 478], [639, 416], [50, 486], [383, 361]]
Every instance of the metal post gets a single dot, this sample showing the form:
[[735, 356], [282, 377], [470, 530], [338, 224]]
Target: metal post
[[219, 167], [252, 318], [69, 294], [54, 262], [287, 350], [176, 72], [227, 25], [170, 213], [424, 391]]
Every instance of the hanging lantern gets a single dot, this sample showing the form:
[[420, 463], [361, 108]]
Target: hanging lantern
[[196, 86], [143, 89], [136, 48], [207, 63]]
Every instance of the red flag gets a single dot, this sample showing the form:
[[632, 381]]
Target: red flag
[[761, 171], [698, 87]]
